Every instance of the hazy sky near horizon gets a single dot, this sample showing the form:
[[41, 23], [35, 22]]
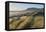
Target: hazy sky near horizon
[[22, 6]]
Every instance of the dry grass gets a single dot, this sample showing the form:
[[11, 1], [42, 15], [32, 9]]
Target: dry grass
[[38, 22], [24, 20]]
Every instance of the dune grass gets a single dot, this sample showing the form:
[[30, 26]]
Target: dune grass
[[25, 21]]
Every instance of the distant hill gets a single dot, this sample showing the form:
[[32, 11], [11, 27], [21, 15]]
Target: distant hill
[[28, 11], [34, 9]]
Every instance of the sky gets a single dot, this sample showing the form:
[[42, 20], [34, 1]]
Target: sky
[[22, 6]]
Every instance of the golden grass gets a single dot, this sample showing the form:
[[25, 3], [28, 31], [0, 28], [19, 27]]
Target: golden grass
[[27, 20], [24, 20], [38, 22], [15, 23]]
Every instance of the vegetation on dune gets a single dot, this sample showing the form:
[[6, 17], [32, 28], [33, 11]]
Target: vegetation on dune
[[27, 22], [38, 22]]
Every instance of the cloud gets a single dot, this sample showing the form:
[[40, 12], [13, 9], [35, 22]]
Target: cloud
[[16, 9], [13, 7]]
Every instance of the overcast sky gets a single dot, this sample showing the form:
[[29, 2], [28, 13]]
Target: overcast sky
[[22, 6]]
